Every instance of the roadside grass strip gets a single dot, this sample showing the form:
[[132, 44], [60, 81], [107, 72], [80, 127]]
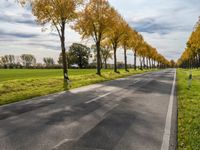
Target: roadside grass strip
[[17, 85], [188, 110]]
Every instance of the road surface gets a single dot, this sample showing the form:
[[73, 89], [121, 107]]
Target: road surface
[[133, 113]]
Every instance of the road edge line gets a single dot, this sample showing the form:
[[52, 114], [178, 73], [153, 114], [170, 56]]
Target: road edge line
[[167, 131]]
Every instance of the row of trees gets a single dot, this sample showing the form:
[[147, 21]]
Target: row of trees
[[11, 61], [191, 56], [24, 61], [77, 56], [98, 20]]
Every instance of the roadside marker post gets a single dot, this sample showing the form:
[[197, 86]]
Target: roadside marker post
[[190, 80]]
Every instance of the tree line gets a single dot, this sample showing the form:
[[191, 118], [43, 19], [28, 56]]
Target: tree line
[[97, 20], [12, 61], [191, 56], [25, 61], [78, 56]]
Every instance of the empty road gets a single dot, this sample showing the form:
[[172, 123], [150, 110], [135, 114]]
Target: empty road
[[133, 113]]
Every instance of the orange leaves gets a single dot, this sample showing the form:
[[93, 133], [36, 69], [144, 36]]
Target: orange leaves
[[193, 48], [97, 20], [94, 20], [53, 11]]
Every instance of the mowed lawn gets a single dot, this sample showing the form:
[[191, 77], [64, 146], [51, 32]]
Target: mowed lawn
[[21, 84], [188, 111]]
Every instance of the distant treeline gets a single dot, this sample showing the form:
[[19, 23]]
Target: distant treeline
[[191, 56], [28, 61], [78, 57], [25, 61]]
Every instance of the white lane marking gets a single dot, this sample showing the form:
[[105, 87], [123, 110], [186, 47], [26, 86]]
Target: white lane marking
[[136, 81], [61, 143], [97, 98], [167, 131], [92, 118]]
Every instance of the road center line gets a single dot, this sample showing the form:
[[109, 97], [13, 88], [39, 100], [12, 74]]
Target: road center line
[[167, 131], [97, 98], [61, 143]]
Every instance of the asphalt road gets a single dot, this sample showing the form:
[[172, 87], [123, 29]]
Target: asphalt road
[[131, 113]]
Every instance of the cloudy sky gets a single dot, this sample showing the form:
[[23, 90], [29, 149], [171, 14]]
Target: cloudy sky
[[166, 25]]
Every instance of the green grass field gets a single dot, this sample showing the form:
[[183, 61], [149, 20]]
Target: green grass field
[[188, 111], [21, 84]]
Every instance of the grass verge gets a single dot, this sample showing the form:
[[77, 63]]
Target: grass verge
[[17, 85], [188, 111]]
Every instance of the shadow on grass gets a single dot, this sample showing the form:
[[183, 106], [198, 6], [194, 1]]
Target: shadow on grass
[[117, 72], [127, 70]]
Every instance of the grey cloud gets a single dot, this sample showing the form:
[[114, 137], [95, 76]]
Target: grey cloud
[[44, 45], [23, 20], [17, 35], [151, 25]]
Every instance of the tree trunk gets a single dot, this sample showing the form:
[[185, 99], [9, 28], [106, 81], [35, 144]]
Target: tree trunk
[[144, 66], [105, 61], [125, 60], [98, 58], [135, 60], [115, 59], [150, 63], [141, 63], [147, 63], [101, 63], [62, 39]]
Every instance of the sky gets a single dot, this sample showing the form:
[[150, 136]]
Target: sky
[[165, 24]]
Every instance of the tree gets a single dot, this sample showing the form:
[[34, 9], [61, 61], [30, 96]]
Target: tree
[[142, 54], [191, 56], [57, 13], [48, 61], [137, 42], [106, 54], [8, 61], [94, 21], [79, 54], [125, 43], [172, 63], [115, 34], [94, 50], [68, 59], [5, 61], [28, 60], [1, 62]]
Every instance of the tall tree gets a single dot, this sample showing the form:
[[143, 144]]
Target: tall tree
[[142, 54], [68, 59], [125, 43], [79, 54], [94, 21], [191, 56], [8, 60], [172, 63], [115, 34], [28, 60], [106, 53], [136, 43], [57, 13], [48, 61]]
